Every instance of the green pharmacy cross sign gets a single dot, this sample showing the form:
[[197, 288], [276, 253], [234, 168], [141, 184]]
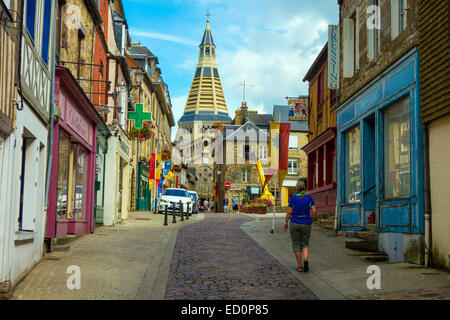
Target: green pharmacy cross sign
[[139, 116]]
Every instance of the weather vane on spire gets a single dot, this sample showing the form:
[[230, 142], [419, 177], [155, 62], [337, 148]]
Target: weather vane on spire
[[208, 15]]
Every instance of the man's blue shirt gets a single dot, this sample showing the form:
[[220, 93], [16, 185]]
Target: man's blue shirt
[[300, 208]]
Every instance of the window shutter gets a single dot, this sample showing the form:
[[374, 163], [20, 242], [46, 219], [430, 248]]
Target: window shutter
[[357, 39], [395, 23], [348, 47], [370, 44]]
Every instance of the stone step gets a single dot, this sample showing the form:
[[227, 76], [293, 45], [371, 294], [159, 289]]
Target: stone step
[[362, 245], [365, 235], [373, 257], [60, 247]]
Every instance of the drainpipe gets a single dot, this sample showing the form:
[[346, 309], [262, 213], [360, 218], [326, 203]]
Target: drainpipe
[[427, 196], [52, 119]]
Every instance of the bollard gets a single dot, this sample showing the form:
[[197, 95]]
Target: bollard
[[165, 216], [187, 212], [174, 217], [181, 211]]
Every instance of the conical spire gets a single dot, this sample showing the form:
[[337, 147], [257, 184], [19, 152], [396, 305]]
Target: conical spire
[[206, 100]]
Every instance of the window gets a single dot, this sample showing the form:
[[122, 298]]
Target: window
[[245, 175], [293, 142], [349, 46], [397, 150], [320, 88], [398, 17], [63, 174], [352, 165], [293, 166], [79, 46], [373, 37], [31, 17], [263, 152], [246, 152]]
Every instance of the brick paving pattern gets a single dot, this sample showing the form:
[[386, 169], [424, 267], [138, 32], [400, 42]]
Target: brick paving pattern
[[215, 259]]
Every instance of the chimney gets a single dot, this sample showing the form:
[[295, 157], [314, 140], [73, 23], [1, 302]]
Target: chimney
[[244, 113]]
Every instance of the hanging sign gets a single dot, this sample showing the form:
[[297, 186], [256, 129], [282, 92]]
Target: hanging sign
[[139, 116], [333, 57]]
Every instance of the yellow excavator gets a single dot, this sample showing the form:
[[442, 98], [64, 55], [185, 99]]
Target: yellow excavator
[[266, 193]]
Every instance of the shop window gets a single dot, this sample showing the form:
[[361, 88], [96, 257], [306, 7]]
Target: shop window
[[397, 150], [293, 166], [352, 165], [71, 179], [63, 174]]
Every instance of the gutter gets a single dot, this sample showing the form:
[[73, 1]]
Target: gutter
[[52, 120]]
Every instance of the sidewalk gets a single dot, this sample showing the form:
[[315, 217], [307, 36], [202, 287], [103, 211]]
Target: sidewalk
[[337, 273], [128, 261]]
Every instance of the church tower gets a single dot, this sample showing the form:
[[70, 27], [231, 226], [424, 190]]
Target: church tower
[[205, 106], [206, 101]]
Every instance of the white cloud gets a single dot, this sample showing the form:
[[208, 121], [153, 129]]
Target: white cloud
[[162, 36]]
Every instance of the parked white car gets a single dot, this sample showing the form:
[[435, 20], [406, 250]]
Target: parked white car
[[173, 195]]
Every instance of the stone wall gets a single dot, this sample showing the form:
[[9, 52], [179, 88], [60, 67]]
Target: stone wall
[[390, 50]]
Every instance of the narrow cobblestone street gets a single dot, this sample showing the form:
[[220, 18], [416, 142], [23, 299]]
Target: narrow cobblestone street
[[215, 259]]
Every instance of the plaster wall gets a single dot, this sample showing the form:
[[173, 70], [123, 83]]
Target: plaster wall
[[440, 190]]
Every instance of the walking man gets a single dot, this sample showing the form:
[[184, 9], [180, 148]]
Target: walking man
[[225, 204]]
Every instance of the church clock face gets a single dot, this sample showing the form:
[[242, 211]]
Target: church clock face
[[205, 179]]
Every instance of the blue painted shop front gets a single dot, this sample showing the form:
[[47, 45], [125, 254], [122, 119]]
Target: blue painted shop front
[[380, 161]]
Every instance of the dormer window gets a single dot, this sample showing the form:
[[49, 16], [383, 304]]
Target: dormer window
[[207, 50], [201, 51], [212, 51]]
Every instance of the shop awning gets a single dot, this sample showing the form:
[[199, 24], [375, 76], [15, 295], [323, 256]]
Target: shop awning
[[289, 183]]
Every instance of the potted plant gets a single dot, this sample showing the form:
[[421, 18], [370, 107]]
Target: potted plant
[[177, 168]]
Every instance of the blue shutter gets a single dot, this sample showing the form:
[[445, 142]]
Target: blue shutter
[[46, 31], [31, 17]]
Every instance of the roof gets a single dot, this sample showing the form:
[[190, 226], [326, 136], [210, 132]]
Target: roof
[[243, 128], [318, 62], [207, 39], [260, 119], [203, 115], [295, 125]]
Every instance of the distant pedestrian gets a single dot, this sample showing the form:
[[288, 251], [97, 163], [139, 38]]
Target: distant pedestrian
[[235, 202], [298, 214], [225, 204], [212, 205], [205, 205]]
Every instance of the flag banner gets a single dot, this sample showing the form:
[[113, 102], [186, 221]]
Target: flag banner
[[274, 144], [152, 167], [285, 129], [160, 183], [176, 182], [150, 184], [158, 165]]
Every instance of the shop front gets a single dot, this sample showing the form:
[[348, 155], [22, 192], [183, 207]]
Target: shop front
[[117, 180], [143, 191], [100, 172], [380, 161], [322, 171], [72, 185]]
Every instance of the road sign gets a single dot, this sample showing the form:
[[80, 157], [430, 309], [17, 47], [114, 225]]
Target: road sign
[[227, 185]]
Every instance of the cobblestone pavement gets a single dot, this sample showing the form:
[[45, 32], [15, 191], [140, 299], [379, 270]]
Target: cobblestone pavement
[[216, 259], [121, 262]]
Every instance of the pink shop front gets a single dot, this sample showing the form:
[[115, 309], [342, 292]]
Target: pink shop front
[[72, 182]]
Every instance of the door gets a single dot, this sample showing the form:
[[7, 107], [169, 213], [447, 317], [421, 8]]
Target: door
[[369, 155]]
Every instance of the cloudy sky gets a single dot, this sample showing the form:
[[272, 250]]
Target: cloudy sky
[[271, 44]]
